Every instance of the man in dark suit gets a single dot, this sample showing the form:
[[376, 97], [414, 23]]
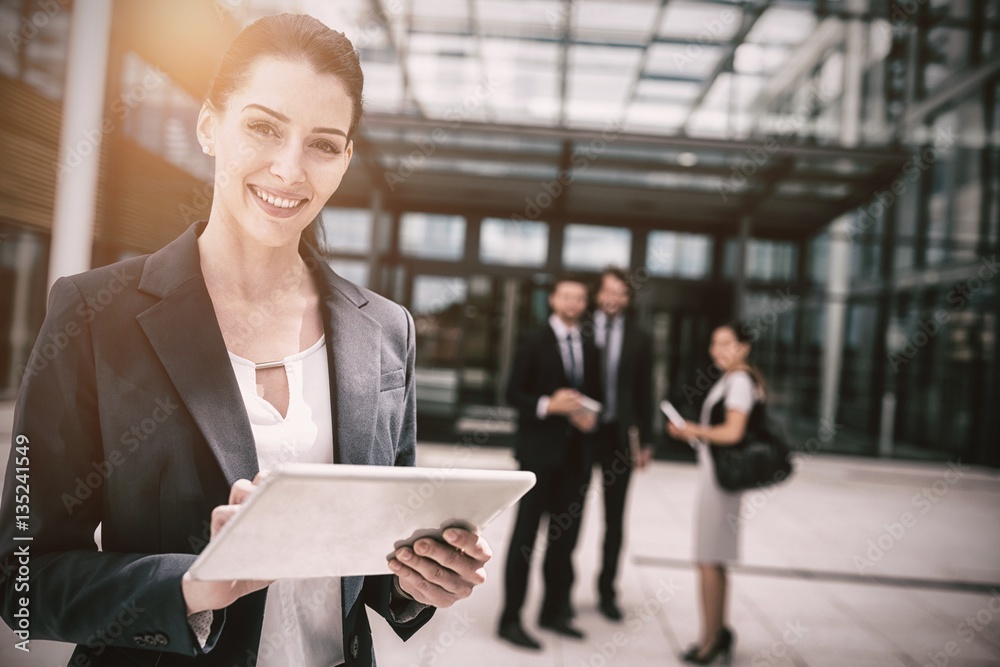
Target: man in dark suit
[[555, 370], [626, 364]]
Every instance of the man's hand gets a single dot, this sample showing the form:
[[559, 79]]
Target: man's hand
[[583, 420], [564, 402], [645, 456], [439, 574], [202, 595]]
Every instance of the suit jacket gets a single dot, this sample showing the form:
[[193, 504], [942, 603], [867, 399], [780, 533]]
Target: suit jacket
[[538, 371], [134, 420], [634, 385]]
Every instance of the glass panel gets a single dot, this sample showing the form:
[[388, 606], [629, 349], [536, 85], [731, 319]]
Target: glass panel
[[781, 25], [774, 260], [629, 22], [10, 25], [513, 243], [347, 230], [704, 22], [683, 61], [438, 306], [23, 269], [355, 270], [45, 51], [946, 52], [592, 247], [160, 116], [432, 236], [676, 254], [955, 197], [858, 366]]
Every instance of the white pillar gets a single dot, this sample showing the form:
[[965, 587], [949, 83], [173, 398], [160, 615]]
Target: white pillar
[[836, 316], [81, 138]]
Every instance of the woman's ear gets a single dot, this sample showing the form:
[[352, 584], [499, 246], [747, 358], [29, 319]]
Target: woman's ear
[[349, 152], [205, 129]]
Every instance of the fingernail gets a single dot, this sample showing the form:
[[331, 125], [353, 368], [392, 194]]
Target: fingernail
[[451, 535], [394, 565], [404, 554], [422, 547]]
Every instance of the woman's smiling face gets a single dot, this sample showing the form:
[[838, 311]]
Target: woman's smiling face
[[281, 150]]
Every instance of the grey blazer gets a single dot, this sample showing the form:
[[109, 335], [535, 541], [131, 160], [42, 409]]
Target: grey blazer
[[133, 419]]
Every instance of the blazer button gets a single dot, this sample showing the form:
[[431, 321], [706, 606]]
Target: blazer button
[[161, 639], [139, 639], [355, 644]]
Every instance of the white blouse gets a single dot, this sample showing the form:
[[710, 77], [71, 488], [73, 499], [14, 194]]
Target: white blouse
[[303, 619]]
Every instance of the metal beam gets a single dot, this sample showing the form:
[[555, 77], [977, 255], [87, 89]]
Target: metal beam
[[749, 19], [956, 88], [683, 143]]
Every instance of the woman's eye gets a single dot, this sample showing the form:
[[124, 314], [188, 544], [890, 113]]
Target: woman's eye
[[262, 128], [327, 147]]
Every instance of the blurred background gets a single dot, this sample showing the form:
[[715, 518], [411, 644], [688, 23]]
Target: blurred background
[[827, 169]]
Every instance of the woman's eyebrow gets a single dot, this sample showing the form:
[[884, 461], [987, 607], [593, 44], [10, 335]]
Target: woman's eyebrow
[[284, 119]]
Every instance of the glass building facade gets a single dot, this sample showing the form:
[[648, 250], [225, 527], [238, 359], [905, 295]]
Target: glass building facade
[[827, 171]]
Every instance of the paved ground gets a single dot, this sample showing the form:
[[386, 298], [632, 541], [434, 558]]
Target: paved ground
[[852, 562]]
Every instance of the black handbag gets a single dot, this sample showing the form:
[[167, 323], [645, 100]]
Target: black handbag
[[761, 459]]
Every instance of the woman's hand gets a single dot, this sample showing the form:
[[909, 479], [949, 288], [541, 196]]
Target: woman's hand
[[687, 434], [202, 595], [439, 574]]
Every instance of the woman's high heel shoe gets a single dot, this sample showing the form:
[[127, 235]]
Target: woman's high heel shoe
[[722, 646]]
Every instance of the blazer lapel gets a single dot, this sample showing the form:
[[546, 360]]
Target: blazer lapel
[[184, 332], [355, 343]]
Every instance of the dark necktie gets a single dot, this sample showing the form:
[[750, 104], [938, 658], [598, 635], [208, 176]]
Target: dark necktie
[[574, 376]]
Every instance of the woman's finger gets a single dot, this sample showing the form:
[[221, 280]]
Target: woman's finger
[[220, 516], [474, 546], [240, 490]]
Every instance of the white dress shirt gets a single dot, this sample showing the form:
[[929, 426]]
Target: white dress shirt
[[563, 332], [303, 621]]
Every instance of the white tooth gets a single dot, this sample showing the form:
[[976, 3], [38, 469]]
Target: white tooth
[[281, 202]]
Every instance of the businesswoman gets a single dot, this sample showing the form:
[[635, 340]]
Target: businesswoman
[[161, 386], [723, 422]]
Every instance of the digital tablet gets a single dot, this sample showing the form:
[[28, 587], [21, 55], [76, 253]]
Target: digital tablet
[[671, 412], [321, 520]]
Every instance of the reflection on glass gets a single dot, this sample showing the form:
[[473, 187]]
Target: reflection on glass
[[347, 229], [432, 236], [43, 40], [355, 270], [438, 307], [590, 247], [682, 255], [772, 260], [160, 116], [513, 243]]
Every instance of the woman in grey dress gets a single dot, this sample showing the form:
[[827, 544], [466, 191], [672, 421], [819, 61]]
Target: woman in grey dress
[[716, 526]]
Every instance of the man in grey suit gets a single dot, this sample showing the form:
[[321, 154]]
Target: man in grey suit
[[626, 364]]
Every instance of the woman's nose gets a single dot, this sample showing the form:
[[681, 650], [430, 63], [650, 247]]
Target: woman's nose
[[286, 163]]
